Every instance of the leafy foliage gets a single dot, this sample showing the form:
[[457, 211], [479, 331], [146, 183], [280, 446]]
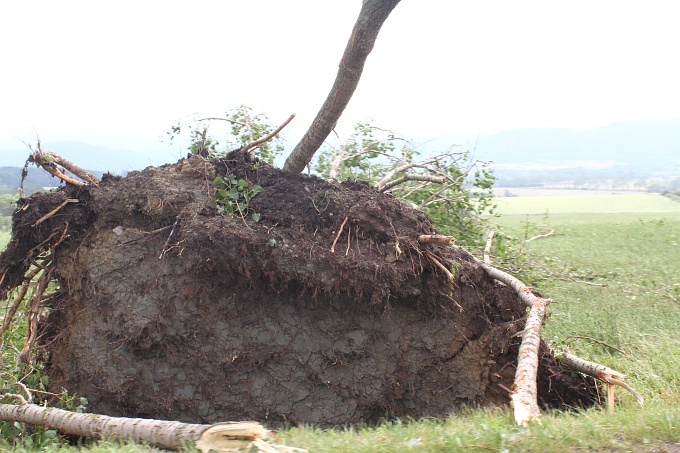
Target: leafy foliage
[[379, 156], [233, 196], [242, 127]]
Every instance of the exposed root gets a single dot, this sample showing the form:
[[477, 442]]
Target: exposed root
[[54, 211], [337, 236], [448, 273]]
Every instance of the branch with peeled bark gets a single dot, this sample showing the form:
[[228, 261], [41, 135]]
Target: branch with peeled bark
[[371, 18], [524, 396], [232, 436], [603, 373]]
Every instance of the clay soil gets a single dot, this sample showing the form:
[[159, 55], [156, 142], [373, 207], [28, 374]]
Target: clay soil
[[231, 319]]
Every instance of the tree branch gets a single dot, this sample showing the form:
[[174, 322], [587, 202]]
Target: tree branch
[[268, 136], [412, 177]]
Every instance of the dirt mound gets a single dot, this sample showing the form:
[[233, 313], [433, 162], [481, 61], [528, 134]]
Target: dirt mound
[[169, 309]]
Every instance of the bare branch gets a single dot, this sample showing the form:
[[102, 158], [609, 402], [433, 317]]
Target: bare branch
[[411, 177], [268, 136]]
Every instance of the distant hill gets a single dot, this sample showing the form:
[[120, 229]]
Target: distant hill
[[652, 144]]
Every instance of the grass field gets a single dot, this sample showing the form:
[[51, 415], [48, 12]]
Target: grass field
[[615, 287]]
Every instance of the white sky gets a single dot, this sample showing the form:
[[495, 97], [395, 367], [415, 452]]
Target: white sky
[[119, 73]]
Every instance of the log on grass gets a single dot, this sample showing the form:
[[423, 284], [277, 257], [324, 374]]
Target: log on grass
[[230, 436]]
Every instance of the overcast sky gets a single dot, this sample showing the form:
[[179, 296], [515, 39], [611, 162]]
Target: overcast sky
[[120, 73]]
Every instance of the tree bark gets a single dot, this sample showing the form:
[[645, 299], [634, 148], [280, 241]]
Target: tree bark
[[371, 17]]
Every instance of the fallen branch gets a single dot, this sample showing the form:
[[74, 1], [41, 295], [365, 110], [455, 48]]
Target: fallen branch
[[525, 393], [607, 375], [268, 136], [411, 177], [166, 434], [539, 236], [440, 239]]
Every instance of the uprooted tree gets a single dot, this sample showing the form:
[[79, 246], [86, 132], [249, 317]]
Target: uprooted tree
[[222, 288]]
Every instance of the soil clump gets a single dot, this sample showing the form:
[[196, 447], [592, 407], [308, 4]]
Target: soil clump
[[168, 308]]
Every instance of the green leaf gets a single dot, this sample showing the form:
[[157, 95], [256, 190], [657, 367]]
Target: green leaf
[[256, 189], [234, 194], [242, 183], [256, 216], [218, 182]]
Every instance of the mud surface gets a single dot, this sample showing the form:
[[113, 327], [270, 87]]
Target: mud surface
[[169, 309]]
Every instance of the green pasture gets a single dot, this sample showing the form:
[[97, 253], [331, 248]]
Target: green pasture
[[614, 278]]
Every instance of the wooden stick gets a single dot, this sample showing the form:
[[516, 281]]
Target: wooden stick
[[268, 136], [337, 236], [440, 239]]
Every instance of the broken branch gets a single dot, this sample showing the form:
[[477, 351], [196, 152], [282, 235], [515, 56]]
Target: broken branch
[[601, 372], [440, 239]]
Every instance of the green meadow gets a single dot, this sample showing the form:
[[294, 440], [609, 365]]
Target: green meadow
[[612, 270]]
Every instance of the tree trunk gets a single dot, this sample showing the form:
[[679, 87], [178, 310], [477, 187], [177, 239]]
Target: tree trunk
[[371, 17]]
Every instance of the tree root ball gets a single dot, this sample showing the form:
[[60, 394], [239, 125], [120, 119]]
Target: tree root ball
[[170, 309]]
